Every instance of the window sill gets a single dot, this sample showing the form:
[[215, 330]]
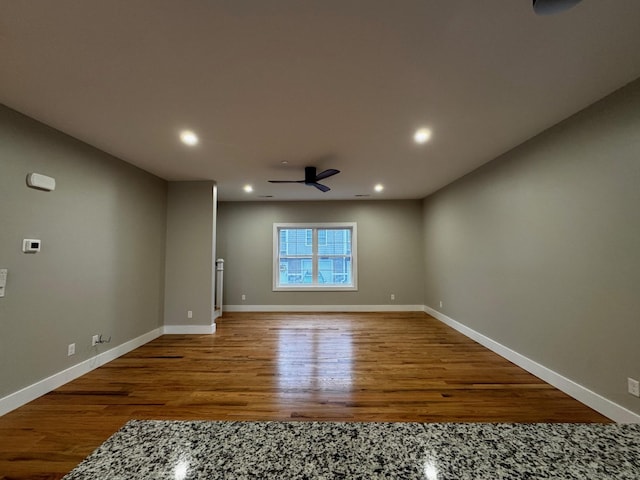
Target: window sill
[[316, 288]]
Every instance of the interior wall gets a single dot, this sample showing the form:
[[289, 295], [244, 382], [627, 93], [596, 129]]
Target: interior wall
[[389, 251], [190, 253], [101, 267], [539, 250]]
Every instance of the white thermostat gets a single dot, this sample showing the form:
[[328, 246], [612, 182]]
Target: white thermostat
[[31, 245]]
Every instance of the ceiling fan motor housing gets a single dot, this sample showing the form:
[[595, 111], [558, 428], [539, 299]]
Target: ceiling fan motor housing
[[309, 174]]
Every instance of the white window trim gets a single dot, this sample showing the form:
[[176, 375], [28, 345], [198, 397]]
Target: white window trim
[[317, 287]]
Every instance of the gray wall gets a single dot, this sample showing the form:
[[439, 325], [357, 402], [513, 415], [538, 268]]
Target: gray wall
[[389, 251], [101, 268], [190, 253], [539, 250]]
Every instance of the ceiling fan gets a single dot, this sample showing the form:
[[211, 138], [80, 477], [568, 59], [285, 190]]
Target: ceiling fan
[[311, 178]]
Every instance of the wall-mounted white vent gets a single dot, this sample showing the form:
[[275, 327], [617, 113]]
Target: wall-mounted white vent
[[41, 182]]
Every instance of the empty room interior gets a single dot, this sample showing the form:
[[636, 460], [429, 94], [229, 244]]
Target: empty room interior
[[225, 220]]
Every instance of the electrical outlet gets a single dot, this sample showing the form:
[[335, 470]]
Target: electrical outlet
[[633, 386], [393, 296], [71, 350], [95, 340], [244, 297], [189, 313], [440, 303]]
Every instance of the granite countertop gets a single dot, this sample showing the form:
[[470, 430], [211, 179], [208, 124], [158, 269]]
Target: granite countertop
[[331, 450]]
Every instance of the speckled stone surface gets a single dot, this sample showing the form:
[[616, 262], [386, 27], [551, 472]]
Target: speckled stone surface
[[326, 450]]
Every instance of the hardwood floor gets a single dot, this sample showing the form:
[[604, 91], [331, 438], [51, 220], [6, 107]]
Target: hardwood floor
[[395, 367]]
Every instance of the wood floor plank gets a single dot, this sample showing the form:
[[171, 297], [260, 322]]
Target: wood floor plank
[[396, 367]]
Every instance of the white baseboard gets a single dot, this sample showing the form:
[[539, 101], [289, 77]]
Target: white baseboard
[[324, 308], [27, 394], [189, 329], [600, 404], [193, 329]]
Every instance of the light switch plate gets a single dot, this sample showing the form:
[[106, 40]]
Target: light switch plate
[[634, 387], [3, 280]]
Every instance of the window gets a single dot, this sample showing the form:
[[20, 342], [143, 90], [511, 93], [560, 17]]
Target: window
[[314, 256]]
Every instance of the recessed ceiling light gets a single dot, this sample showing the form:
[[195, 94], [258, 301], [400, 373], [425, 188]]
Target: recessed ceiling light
[[378, 188], [422, 135], [248, 188], [189, 138]]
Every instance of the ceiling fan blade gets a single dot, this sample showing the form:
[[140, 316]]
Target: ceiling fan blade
[[286, 181], [549, 7], [319, 186], [327, 173]]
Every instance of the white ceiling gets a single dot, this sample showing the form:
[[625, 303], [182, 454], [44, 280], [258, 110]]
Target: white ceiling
[[330, 83]]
